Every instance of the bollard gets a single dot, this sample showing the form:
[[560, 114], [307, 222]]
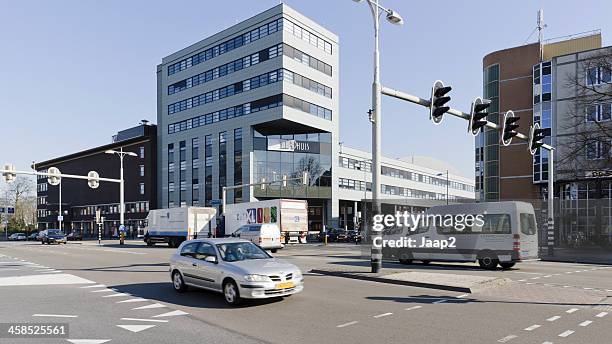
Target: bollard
[[121, 238]]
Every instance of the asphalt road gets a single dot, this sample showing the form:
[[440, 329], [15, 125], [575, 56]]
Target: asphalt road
[[122, 294]]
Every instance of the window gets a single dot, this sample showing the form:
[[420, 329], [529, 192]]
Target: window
[[594, 149], [141, 152], [599, 112], [142, 170], [142, 188], [189, 249], [528, 224], [205, 250]]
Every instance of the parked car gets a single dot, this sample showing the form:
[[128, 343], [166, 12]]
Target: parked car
[[267, 235], [355, 236], [235, 267], [17, 237], [33, 237], [337, 235], [52, 236], [74, 236]]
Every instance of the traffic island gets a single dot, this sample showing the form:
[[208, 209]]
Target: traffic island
[[451, 282]]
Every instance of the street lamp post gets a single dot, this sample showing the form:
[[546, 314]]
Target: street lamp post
[[394, 18], [121, 154]]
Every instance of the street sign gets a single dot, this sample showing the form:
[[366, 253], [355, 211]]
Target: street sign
[[98, 213], [54, 178], [215, 202], [60, 218]]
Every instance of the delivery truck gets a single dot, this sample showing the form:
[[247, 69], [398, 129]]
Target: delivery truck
[[290, 215], [175, 225]]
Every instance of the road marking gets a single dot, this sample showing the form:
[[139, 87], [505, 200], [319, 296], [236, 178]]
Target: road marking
[[347, 324], [413, 308], [547, 343], [170, 314], [102, 291], [135, 328], [532, 327], [568, 272], [133, 300], [528, 283], [382, 315], [51, 272], [55, 315], [439, 301], [47, 279], [556, 317], [155, 305], [566, 333], [536, 277], [463, 295], [585, 323], [117, 295], [9, 269], [578, 271], [522, 280], [94, 286], [146, 320], [567, 286], [587, 288], [88, 341], [547, 276], [602, 314], [506, 338], [571, 310]]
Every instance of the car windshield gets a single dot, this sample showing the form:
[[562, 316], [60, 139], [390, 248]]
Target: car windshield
[[238, 251], [55, 232]]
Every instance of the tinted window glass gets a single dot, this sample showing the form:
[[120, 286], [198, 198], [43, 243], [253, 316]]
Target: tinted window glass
[[189, 249], [205, 250], [528, 224]]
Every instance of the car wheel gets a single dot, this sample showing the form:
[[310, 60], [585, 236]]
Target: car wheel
[[507, 265], [178, 283], [273, 250], [231, 293], [488, 262]]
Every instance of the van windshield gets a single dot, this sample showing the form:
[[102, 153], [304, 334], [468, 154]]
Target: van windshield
[[238, 251], [528, 224]]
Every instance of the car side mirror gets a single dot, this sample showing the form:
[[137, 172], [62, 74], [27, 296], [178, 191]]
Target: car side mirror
[[211, 259]]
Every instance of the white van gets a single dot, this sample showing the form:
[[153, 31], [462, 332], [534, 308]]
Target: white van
[[266, 235], [508, 234]]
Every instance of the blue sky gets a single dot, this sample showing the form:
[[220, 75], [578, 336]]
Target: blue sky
[[76, 71]]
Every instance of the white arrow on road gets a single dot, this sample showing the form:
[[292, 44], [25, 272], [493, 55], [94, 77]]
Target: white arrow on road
[[170, 314], [155, 305], [136, 328], [88, 341]]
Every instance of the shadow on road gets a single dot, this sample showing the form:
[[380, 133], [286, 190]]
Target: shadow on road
[[429, 299], [164, 292], [124, 268]]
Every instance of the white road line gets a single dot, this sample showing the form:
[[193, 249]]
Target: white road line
[[413, 308], [568, 272], [347, 324], [132, 300], [529, 283], [536, 277], [146, 320], [547, 276], [170, 314], [506, 338], [88, 341], [556, 317], [135, 328], [547, 343], [532, 327], [383, 315], [51, 272], [94, 286], [439, 301], [55, 315], [609, 290], [578, 271], [463, 295], [571, 310], [585, 323], [602, 314], [587, 288], [155, 305], [567, 286], [46, 279], [117, 295], [102, 291], [566, 333], [522, 280]]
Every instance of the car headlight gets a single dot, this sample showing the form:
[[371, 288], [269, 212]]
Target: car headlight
[[257, 278], [298, 275]]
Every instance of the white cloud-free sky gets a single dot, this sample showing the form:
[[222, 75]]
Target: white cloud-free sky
[[76, 71]]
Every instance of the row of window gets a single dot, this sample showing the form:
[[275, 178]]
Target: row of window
[[228, 68], [227, 46], [598, 75], [130, 207], [247, 108], [306, 59], [355, 164], [307, 36], [227, 91], [351, 184], [599, 112], [307, 83], [598, 149], [360, 185]]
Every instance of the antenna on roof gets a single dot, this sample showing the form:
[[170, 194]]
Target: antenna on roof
[[541, 27]]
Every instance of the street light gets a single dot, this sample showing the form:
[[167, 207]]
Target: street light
[[394, 18], [121, 154], [447, 183]]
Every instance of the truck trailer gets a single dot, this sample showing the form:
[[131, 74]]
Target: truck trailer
[[291, 216], [175, 225]]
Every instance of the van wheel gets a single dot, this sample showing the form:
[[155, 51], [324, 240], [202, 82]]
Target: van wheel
[[488, 261], [178, 283], [405, 261], [231, 293], [273, 250], [507, 265], [149, 242], [425, 262]]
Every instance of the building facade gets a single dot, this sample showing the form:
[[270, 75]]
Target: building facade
[[79, 202]]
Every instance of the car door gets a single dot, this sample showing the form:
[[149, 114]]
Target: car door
[[186, 262], [208, 273]]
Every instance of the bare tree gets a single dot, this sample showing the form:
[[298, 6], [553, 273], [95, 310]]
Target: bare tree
[[20, 195]]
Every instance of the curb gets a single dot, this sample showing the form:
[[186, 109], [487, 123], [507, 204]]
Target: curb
[[390, 281]]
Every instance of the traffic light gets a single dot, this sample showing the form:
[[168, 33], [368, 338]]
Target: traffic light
[[9, 176], [536, 138], [510, 126], [94, 179], [438, 99], [478, 115]]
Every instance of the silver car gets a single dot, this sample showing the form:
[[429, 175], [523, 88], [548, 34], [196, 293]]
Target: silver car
[[235, 267]]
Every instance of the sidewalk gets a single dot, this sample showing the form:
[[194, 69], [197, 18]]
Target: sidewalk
[[593, 255]]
